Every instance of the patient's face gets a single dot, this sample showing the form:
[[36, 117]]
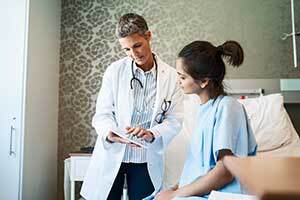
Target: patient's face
[[185, 81]]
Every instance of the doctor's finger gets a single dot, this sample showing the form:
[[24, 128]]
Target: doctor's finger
[[136, 131], [147, 137], [129, 129], [141, 133]]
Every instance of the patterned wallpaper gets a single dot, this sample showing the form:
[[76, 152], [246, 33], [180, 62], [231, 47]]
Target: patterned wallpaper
[[88, 46]]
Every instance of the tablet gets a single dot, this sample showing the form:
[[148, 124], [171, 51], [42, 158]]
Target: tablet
[[132, 139]]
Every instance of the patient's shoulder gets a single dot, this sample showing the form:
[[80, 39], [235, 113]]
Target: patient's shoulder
[[230, 104]]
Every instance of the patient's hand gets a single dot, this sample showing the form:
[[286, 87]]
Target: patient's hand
[[166, 194]]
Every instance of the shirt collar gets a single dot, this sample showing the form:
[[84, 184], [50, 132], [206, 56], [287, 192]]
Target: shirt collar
[[152, 71]]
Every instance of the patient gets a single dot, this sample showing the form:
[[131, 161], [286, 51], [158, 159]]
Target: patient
[[222, 127]]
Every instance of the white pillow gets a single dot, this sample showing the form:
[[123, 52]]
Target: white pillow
[[269, 120]]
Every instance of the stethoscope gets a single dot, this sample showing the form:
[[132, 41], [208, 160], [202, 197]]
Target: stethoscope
[[138, 80]]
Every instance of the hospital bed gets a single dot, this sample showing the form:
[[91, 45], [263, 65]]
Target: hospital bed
[[273, 130]]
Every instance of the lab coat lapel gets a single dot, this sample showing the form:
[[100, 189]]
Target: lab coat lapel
[[161, 87], [127, 94]]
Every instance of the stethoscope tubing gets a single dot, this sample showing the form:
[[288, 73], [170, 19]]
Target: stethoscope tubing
[[136, 79]]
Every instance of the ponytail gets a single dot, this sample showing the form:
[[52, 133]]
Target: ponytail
[[232, 52]]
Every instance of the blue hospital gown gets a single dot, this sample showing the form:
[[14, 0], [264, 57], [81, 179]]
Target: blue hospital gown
[[221, 124]]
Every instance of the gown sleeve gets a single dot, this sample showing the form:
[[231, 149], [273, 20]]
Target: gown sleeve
[[232, 130]]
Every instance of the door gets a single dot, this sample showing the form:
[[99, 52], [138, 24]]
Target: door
[[12, 67]]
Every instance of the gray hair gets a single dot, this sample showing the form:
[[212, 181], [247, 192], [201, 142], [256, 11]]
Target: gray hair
[[131, 23]]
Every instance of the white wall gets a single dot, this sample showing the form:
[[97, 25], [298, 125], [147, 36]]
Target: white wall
[[41, 115]]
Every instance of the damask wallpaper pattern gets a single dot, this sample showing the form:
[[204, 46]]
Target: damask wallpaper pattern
[[89, 45]]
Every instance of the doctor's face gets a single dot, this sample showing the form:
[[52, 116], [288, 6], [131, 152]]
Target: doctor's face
[[138, 48], [185, 81]]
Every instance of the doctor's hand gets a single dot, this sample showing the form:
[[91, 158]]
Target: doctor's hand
[[112, 138], [141, 133]]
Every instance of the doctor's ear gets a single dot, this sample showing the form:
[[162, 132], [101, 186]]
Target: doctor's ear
[[148, 35]]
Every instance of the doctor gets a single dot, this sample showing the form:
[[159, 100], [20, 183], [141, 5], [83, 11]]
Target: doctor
[[139, 94]]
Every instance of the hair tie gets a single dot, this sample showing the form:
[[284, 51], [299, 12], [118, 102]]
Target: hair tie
[[220, 49]]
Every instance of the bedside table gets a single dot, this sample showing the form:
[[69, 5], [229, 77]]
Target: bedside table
[[74, 170]]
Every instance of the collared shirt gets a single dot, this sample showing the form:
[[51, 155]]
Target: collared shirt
[[143, 106]]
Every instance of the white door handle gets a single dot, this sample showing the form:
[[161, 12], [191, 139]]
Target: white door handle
[[12, 130]]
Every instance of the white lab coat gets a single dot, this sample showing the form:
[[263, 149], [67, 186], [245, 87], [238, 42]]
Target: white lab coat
[[114, 108]]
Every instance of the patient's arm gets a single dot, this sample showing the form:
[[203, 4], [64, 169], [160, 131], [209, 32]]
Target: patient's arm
[[215, 179]]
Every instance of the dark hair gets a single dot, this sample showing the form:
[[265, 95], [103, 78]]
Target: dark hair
[[203, 60], [131, 23]]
